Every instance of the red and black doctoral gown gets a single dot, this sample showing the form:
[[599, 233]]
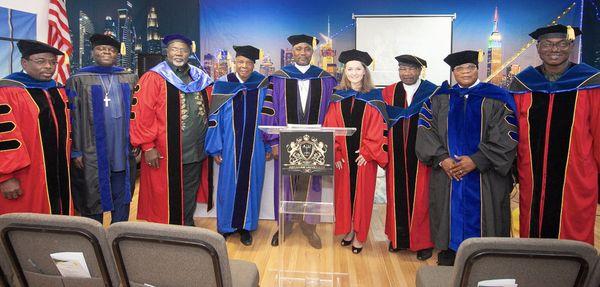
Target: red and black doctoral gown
[[407, 179], [156, 123], [35, 145], [355, 185], [559, 152]]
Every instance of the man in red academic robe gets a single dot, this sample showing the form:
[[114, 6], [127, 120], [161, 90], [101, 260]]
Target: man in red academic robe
[[169, 121], [34, 136], [558, 159], [407, 179]]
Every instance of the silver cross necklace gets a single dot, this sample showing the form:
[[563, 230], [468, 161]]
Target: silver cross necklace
[[106, 90]]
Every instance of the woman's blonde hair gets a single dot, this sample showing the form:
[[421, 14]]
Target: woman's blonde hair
[[367, 83]]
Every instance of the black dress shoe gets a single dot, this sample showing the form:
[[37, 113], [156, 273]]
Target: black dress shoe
[[446, 258], [245, 237], [275, 239], [424, 254], [392, 249], [356, 250]]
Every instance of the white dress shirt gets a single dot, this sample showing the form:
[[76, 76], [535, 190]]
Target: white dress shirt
[[303, 85], [239, 78], [410, 91]]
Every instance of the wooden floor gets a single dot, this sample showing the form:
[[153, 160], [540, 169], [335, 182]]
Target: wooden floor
[[374, 266]]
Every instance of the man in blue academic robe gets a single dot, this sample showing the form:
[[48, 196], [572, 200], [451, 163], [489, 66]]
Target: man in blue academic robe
[[236, 144]]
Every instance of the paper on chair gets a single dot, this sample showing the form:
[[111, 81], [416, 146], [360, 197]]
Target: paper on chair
[[498, 283], [71, 264]]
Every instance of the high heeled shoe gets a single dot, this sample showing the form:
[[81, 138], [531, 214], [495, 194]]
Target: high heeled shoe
[[347, 242]]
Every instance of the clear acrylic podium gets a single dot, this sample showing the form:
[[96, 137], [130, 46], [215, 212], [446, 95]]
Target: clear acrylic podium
[[306, 212]]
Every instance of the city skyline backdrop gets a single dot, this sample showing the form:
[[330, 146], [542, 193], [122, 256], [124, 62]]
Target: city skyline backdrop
[[498, 28], [266, 24], [129, 22]]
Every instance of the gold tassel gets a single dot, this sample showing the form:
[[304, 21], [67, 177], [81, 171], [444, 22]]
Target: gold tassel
[[423, 68], [480, 56], [123, 49], [193, 47], [261, 54], [570, 33], [67, 61], [314, 43], [373, 65]]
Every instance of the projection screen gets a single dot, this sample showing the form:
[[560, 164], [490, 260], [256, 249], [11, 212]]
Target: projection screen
[[387, 36]]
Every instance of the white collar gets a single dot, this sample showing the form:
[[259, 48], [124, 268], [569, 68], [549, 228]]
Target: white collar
[[302, 69], [475, 84], [413, 86], [239, 78]]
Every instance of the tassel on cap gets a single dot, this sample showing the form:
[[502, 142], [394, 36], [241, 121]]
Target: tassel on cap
[[261, 54], [314, 43], [423, 67], [480, 56], [570, 33], [193, 47], [123, 49]]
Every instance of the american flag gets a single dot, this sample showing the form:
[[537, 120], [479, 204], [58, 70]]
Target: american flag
[[59, 37]]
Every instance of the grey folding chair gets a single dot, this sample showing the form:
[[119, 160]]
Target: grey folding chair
[[169, 255], [595, 278], [3, 280], [28, 239], [532, 262], [7, 276]]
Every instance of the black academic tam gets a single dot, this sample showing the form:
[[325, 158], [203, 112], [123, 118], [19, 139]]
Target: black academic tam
[[411, 60], [297, 39], [101, 39], [32, 47], [247, 51], [462, 57], [355, 55], [554, 29]]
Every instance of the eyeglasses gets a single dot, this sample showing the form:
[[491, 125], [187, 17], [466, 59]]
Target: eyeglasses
[[469, 68], [407, 69], [547, 45], [180, 50], [41, 61]]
